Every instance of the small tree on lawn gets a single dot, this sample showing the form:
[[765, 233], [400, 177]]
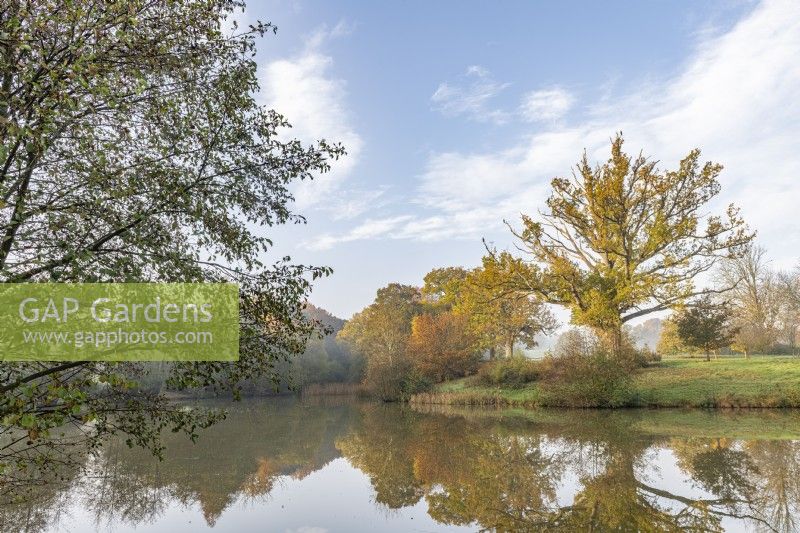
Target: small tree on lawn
[[706, 325]]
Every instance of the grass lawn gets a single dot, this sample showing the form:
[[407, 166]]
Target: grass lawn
[[760, 381]]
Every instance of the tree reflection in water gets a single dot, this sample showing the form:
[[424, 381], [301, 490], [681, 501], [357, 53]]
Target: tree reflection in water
[[543, 470]]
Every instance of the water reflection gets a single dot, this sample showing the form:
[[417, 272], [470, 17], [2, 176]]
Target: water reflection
[[543, 471]]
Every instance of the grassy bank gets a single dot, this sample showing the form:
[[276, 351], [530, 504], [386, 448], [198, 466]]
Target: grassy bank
[[764, 381]]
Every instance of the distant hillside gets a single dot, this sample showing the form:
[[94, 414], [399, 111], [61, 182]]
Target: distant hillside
[[324, 317], [325, 360]]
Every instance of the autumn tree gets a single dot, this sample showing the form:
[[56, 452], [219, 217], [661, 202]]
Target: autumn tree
[[502, 313], [755, 293], [623, 239], [132, 149], [706, 325], [670, 342], [443, 287], [380, 333], [442, 346]]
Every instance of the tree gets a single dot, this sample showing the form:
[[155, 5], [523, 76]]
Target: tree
[[778, 482], [756, 297], [624, 239], [443, 286], [442, 346], [706, 325], [670, 342], [380, 333], [575, 342], [789, 309], [132, 148], [500, 312]]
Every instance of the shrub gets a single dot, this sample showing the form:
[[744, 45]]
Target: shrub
[[582, 342], [394, 382], [513, 372], [579, 380], [574, 342], [414, 383], [385, 379], [645, 356]]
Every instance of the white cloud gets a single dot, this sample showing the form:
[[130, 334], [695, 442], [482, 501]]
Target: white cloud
[[324, 33], [369, 229], [546, 104], [735, 97], [303, 89], [470, 98], [454, 182], [347, 205], [477, 70]]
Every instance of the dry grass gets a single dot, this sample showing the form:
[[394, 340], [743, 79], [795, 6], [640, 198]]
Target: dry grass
[[459, 398]]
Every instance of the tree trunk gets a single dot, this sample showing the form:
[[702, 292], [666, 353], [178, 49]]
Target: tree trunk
[[492, 353], [509, 347], [708, 355]]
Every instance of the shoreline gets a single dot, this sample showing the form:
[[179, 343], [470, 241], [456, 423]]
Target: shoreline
[[764, 382], [760, 382], [491, 399]]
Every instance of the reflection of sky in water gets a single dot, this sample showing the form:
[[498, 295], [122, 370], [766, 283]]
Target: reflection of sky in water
[[293, 467], [335, 498]]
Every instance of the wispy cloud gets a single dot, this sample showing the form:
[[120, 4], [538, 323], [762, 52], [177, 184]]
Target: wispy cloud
[[304, 90], [470, 97], [473, 96], [736, 98], [352, 203], [369, 229], [546, 104], [321, 35]]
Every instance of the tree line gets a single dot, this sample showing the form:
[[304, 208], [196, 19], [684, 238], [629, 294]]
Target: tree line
[[411, 336], [617, 241], [757, 311]]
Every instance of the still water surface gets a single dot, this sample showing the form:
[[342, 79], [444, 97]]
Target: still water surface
[[312, 467]]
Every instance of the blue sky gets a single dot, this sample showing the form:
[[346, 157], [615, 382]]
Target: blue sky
[[457, 114]]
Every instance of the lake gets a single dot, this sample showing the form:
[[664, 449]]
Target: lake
[[335, 464]]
